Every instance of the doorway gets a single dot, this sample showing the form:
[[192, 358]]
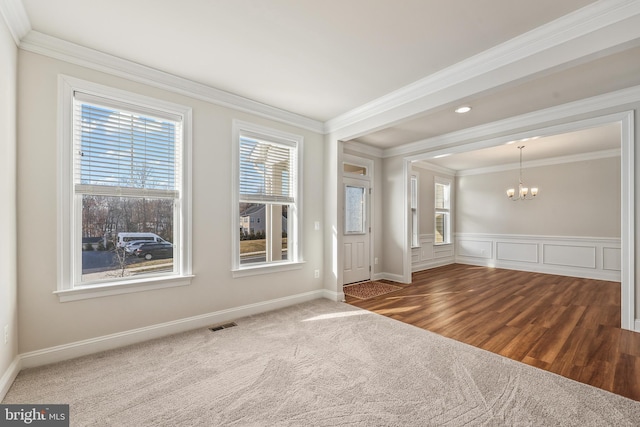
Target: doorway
[[357, 219], [625, 120]]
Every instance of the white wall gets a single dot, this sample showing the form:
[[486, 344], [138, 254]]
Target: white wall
[[8, 283], [576, 199], [394, 217], [44, 321], [571, 228]]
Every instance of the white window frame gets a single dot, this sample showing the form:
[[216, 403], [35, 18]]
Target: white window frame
[[294, 217], [69, 253], [446, 211], [415, 218]]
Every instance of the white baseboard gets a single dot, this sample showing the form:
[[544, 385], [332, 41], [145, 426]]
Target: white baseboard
[[637, 326], [333, 296], [388, 276], [120, 339], [426, 265], [9, 376]]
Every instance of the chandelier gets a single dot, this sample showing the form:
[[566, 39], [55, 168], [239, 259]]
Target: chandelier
[[523, 192]]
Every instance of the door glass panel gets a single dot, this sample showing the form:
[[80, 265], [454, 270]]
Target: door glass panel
[[354, 221]]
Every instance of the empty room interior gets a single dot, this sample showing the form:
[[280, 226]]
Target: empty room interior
[[180, 178]]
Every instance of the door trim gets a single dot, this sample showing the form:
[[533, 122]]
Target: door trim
[[370, 176]]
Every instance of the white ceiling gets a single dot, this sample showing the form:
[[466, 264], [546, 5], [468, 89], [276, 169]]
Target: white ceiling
[[329, 59], [598, 141], [602, 75], [317, 58]]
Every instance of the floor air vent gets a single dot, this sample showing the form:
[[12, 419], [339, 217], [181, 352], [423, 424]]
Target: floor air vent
[[225, 326]]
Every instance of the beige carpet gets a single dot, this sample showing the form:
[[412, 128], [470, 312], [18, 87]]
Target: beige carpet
[[368, 290], [316, 364]]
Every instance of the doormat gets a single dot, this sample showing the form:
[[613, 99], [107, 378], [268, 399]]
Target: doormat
[[368, 290]]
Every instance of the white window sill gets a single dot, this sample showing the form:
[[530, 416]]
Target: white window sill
[[442, 244], [125, 287], [255, 270]]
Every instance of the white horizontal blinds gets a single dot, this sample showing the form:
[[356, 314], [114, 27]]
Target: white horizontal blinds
[[439, 196], [442, 196], [121, 151], [266, 171]]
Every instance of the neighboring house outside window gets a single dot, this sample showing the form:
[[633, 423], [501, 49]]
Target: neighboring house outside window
[[442, 211], [124, 169], [267, 197], [252, 221]]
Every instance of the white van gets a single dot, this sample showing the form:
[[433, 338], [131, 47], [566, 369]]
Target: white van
[[124, 238]]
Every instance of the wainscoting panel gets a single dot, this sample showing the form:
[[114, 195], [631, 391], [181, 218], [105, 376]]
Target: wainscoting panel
[[429, 255], [611, 258], [475, 248], [590, 257], [443, 251], [426, 248], [570, 256], [522, 252]]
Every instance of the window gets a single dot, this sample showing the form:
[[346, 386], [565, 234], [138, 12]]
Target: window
[[354, 169], [124, 184], [414, 212], [267, 186], [442, 211], [355, 203]]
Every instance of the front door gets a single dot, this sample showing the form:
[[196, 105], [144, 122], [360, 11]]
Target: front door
[[356, 231]]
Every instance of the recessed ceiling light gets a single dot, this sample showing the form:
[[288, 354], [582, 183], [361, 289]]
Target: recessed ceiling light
[[463, 109]]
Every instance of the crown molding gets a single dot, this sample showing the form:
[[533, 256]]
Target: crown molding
[[536, 118], [434, 168], [595, 155], [580, 23], [69, 52], [16, 18], [361, 148]]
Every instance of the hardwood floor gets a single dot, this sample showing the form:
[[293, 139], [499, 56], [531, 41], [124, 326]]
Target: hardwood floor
[[566, 325]]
